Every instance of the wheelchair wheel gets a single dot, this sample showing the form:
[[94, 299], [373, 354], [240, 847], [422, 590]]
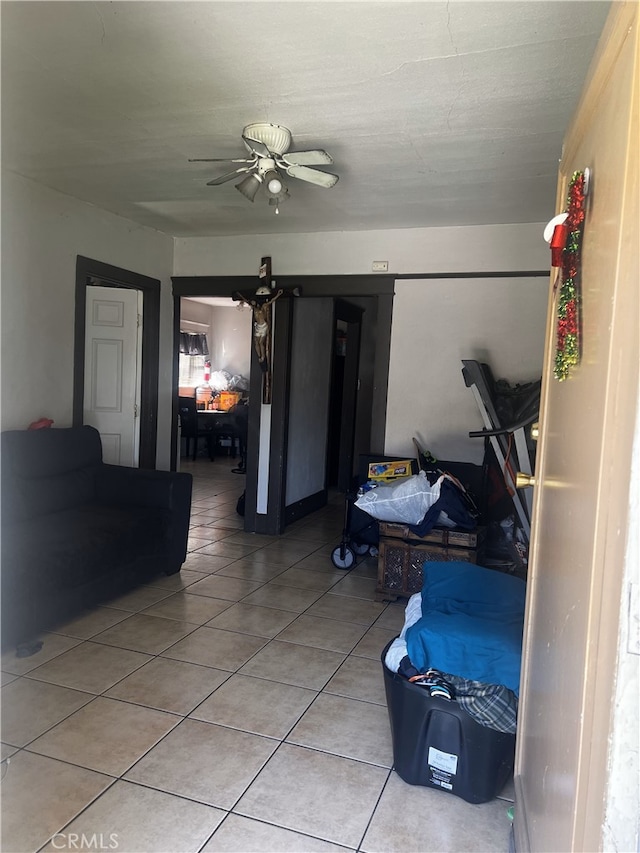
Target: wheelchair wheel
[[343, 557]]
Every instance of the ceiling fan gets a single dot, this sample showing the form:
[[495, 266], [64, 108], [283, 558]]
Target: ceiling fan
[[269, 157]]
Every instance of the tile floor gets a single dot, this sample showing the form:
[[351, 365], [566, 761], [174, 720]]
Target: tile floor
[[238, 706]]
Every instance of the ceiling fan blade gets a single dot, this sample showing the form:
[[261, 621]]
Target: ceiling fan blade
[[318, 157], [229, 176], [255, 145], [314, 176], [219, 160]]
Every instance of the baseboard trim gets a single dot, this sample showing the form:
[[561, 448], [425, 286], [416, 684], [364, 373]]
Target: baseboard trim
[[519, 828], [301, 508]]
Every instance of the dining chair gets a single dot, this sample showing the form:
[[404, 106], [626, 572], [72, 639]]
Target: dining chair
[[190, 428], [240, 414]]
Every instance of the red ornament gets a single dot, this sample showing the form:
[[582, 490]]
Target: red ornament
[[558, 242]]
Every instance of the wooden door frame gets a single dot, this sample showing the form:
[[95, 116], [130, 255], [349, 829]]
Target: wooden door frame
[[352, 316], [335, 286], [272, 522], [92, 272]]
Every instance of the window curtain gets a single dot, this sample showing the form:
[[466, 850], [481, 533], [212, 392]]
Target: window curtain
[[191, 369], [192, 344]]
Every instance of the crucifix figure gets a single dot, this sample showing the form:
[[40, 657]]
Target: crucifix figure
[[261, 322], [261, 303]]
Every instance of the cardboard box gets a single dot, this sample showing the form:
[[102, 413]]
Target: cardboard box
[[228, 399]]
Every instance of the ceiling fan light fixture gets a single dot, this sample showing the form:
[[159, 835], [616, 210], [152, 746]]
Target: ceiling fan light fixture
[[249, 186], [276, 201], [273, 183]]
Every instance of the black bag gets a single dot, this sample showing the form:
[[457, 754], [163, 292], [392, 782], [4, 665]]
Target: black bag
[[240, 505]]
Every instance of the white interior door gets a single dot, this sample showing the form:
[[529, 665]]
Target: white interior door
[[112, 375], [576, 600]]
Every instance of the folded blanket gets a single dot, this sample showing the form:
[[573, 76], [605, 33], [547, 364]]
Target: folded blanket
[[492, 705], [471, 623]]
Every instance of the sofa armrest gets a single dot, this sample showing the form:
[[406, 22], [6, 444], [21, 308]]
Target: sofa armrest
[[118, 485], [168, 491]]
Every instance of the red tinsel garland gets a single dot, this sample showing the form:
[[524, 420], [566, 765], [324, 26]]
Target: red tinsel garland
[[568, 327]]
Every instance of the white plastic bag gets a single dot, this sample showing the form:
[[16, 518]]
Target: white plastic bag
[[220, 380], [238, 383], [405, 502]]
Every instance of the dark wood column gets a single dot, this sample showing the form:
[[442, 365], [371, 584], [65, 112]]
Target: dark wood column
[[269, 458]]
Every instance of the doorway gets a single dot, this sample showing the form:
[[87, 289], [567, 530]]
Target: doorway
[[214, 363], [91, 273], [376, 294], [343, 394]]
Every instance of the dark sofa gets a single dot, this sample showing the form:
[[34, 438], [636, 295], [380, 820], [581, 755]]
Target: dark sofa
[[76, 532]]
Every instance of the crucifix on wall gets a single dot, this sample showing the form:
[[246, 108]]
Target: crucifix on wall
[[261, 303]]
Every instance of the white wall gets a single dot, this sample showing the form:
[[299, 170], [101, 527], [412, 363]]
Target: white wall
[[199, 314], [621, 829], [481, 248], [437, 323], [499, 320], [42, 233], [231, 339]]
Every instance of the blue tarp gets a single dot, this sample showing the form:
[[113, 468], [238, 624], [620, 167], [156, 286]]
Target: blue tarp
[[471, 624]]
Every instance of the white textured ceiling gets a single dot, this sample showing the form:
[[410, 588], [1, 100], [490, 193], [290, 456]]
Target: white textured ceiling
[[436, 113]]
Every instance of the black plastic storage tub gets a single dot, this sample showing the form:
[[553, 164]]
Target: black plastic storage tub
[[437, 744]]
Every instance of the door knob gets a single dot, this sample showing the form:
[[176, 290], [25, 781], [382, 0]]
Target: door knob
[[524, 480], [535, 431]]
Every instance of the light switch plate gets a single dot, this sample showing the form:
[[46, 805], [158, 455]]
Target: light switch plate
[[380, 266]]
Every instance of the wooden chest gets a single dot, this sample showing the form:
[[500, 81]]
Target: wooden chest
[[443, 536], [402, 554]]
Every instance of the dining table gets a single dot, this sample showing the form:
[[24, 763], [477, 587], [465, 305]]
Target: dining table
[[221, 422]]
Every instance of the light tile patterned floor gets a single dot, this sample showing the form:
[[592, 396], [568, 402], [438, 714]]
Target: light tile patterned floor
[[238, 706]]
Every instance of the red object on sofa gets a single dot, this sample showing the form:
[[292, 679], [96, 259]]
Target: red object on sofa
[[43, 423]]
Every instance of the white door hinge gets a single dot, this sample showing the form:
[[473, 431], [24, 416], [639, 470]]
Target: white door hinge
[[136, 413]]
